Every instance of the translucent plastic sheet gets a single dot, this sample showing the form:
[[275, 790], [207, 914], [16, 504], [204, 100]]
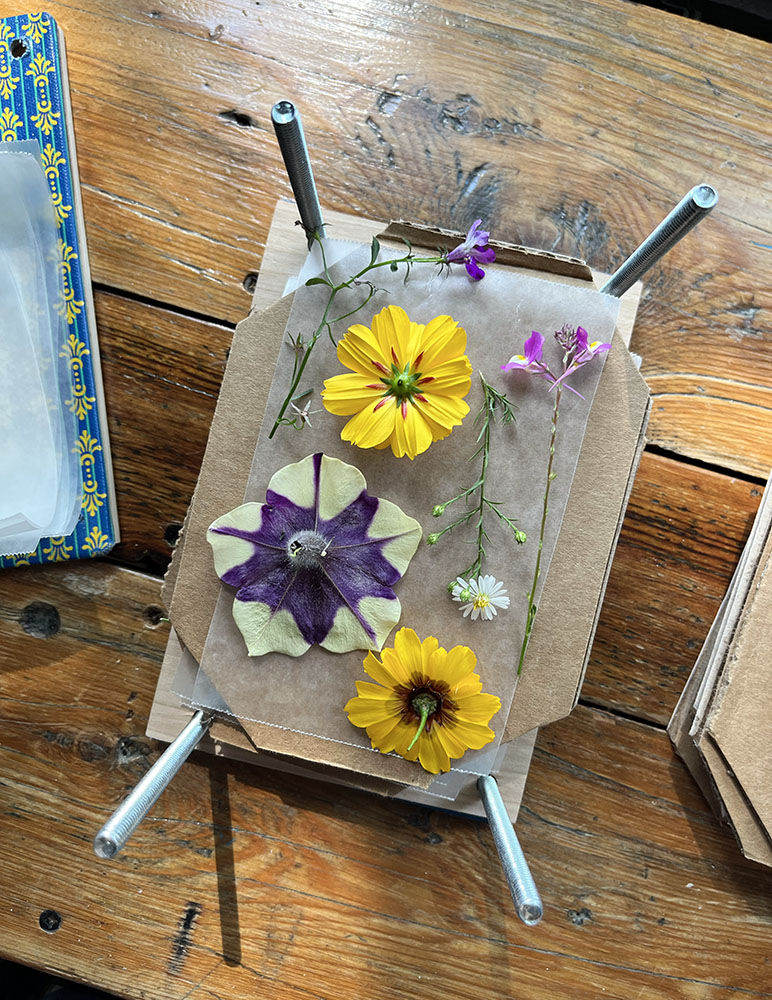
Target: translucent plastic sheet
[[305, 696], [40, 492]]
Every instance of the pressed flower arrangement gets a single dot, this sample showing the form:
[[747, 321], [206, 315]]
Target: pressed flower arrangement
[[406, 383]]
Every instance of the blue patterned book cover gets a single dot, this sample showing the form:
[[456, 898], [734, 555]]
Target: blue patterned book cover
[[35, 104]]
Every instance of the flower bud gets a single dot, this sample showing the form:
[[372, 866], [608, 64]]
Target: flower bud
[[438, 510], [520, 537], [431, 539]]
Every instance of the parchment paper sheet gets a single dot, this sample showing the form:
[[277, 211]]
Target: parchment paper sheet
[[306, 694]]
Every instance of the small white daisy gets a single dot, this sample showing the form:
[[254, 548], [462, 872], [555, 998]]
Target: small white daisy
[[482, 596]]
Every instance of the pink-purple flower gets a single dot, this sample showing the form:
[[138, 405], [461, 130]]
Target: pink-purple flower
[[577, 350], [473, 251]]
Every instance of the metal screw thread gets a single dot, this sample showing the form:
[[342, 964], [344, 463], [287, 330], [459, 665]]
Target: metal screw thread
[[518, 875], [130, 813], [292, 143], [685, 216]]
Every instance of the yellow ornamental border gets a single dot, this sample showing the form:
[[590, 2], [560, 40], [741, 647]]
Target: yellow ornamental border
[[8, 81], [37, 26]]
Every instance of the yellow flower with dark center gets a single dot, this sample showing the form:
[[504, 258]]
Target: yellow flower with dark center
[[427, 702], [407, 382]]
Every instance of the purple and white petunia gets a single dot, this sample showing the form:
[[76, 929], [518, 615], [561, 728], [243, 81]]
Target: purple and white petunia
[[473, 251], [316, 563]]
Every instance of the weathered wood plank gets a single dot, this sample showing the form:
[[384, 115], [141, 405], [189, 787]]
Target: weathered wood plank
[[245, 881], [682, 536], [580, 133], [162, 374]]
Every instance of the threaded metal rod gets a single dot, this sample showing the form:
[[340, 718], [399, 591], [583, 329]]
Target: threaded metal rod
[[685, 216], [130, 813], [516, 871], [292, 143]]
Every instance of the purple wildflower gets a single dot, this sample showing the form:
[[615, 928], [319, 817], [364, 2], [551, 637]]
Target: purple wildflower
[[316, 563], [473, 251], [577, 352]]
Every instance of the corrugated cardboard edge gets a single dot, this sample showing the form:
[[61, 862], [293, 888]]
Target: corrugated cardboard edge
[[578, 573], [506, 253]]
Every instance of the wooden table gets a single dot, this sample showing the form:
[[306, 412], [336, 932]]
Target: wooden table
[[567, 126]]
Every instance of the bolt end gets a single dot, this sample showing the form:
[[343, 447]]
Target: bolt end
[[530, 913], [704, 196], [104, 846], [283, 112]]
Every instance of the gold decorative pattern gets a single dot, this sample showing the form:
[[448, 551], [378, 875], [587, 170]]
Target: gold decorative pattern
[[95, 541], [69, 306], [74, 350], [59, 550], [40, 67], [9, 122], [22, 560], [87, 448], [52, 159], [37, 26], [46, 119], [8, 81]]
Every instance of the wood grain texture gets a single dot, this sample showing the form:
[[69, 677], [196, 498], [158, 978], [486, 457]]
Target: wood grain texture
[[162, 374], [572, 128], [574, 131], [243, 882], [682, 535]]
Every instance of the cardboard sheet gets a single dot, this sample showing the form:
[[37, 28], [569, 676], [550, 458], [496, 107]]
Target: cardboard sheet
[[242, 401], [721, 724], [306, 694]]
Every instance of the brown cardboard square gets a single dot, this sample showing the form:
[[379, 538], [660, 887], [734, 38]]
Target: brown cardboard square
[[189, 603]]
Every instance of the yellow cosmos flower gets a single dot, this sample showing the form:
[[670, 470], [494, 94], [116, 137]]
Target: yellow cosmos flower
[[407, 382], [428, 702]]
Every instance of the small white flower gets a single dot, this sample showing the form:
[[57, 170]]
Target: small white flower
[[483, 595]]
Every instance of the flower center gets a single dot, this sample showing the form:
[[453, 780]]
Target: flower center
[[401, 384], [307, 549], [481, 601], [424, 705]]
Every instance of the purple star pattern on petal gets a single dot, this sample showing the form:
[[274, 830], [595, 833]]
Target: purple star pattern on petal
[[318, 560]]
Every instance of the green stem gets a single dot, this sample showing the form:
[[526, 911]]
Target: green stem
[[486, 449], [334, 289], [426, 705], [545, 509]]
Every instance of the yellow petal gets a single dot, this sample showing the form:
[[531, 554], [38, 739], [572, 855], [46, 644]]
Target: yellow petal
[[477, 708], [376, 692], [396, 335], [417, 432], [349, 393], [454, 378], [453, 746], [371, 426], [383, 733], [432, 754], [428, 648], [446, 411], [474, 735], [457, 664], [443, 339], [359, 351], [401, 739], [407, 647], [380, 672]]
